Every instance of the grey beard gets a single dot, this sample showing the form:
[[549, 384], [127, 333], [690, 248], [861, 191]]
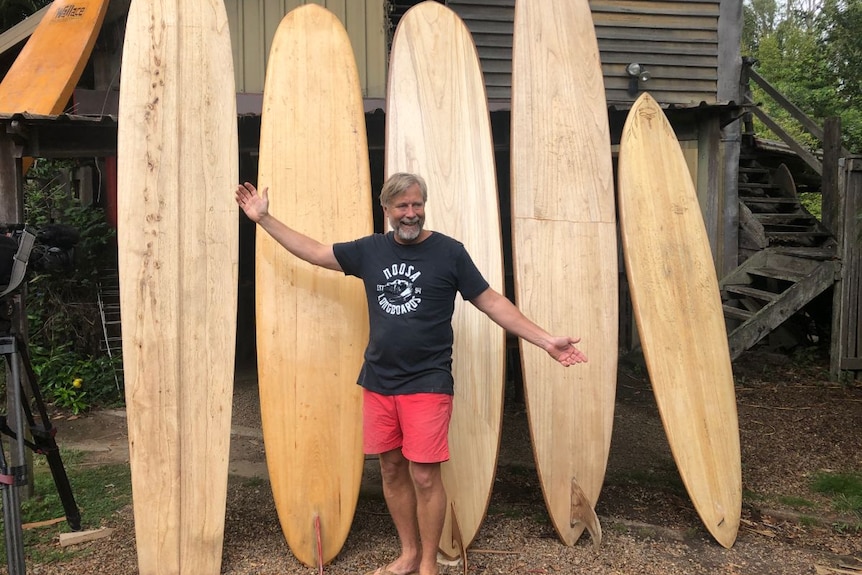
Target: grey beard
[[408, 235]]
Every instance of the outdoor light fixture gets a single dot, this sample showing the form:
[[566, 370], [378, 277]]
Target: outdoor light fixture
[[637, 73]]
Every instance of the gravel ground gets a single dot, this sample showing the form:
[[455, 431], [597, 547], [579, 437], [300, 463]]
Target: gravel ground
[[793, 424]]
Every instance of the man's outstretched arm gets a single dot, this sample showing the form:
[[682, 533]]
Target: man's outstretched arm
[[506, 315], [256, 207]]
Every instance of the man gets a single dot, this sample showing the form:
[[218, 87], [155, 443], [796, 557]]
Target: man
[[411, 277]]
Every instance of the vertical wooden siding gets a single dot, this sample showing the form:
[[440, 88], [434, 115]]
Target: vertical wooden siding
[[677, 41], [253, 24]]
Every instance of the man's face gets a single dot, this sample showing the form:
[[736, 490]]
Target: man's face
[[406, 214]]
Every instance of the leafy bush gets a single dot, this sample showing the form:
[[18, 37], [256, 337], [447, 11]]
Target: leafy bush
[[64, 322]]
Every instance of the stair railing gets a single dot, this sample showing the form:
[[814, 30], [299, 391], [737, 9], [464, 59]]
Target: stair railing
[[804, 120], [829, 136]]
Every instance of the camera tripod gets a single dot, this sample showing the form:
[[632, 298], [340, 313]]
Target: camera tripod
[[13, 474]]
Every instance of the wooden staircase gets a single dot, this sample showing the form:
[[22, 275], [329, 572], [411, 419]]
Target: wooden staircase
[[789, 257]]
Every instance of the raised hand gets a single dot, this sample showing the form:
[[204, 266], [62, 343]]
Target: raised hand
[[255, 205]]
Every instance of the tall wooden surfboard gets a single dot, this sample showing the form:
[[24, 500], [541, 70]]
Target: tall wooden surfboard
[[437, 125], [43, 77], [565, 249], [677, 306], [312, 323], [178, 253]]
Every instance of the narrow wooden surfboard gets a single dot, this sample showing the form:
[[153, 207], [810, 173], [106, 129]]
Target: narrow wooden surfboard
[[178, 255], [677, 307], [565, 251], [312, 323], [437, 125], [45, 73]]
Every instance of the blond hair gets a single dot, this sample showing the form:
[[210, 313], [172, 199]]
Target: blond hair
[[398, 183]]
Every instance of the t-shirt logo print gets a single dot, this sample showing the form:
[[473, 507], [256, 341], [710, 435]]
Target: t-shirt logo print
[[399, 295]]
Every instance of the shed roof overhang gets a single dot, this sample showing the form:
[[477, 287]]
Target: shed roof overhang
[[63, 136]]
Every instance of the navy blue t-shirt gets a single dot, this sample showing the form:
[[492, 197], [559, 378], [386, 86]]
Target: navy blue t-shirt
[[411, 298]]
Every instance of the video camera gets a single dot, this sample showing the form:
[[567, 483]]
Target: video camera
[[50, 250]]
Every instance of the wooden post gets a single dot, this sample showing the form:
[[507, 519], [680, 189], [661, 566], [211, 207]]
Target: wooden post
[[711, 194], [846, 346], [831, 203], [11, 182], [12, 212], [729, 220]]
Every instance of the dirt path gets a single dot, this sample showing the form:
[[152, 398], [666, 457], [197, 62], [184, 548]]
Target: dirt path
[[794, 423]]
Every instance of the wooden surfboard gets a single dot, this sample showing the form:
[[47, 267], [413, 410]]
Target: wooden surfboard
[[312, 323], [565, 251], [437, 125], [178, 254], [43, 77], [677, 306]]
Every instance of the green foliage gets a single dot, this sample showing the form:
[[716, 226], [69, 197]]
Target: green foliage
[[811, 54], [65, 329], [759, 17], [75, 382], [813, 203], [99, 493]]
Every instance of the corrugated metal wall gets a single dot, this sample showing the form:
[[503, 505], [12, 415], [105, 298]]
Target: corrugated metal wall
[[253, 24], [676, 40]]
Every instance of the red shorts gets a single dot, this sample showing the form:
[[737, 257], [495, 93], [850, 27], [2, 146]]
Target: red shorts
[[417, 423]]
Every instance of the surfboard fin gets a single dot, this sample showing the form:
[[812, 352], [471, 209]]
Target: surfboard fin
[[319, 540], [583, 512], [457, 538]]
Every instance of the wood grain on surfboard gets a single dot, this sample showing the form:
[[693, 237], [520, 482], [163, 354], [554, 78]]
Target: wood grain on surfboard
[[677, 306], [437, 125], [312, 323], [43, 77], [564, 248], [178, 254]]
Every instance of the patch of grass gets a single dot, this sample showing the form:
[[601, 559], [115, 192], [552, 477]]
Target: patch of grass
[[254, 482], [845, 504], [845, 528], [796, 502], [99, 493], [619, 528], [845, 490]]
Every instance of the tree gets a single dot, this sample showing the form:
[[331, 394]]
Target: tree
[[759, 17], [840, 24], [810, 51]]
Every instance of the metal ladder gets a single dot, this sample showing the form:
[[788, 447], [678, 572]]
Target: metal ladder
[[109, 310]]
